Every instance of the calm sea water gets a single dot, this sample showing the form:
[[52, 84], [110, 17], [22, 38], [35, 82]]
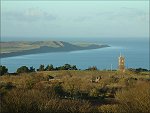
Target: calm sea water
[[135, 50]]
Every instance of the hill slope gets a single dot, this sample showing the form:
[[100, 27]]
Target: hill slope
[[9, 49]]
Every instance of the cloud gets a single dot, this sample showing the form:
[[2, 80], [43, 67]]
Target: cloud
[[83, 18], [142, 15], [133, 11], [125, 13], [32, 14]]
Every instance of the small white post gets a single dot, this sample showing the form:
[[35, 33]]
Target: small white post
[[111, 67]]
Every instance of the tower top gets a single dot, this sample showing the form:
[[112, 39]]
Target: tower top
[[121, 55]]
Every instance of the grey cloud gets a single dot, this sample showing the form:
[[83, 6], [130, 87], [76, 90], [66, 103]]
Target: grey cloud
[[33, 14], [83, 18], [125, 13], [133, 11]]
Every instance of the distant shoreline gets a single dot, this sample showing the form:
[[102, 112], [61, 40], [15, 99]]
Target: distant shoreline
[[65, 47], [29, 52]]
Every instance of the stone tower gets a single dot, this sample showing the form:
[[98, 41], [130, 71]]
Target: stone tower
[[121, 63]]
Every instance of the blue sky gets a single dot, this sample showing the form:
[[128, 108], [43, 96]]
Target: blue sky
[[75, 19]]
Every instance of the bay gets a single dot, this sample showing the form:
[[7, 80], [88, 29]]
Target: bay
[[135, 50]]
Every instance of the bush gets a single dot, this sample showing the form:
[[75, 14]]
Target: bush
[[5, 87], [22, 101], [30, 83], [8, 85], [49, 77], [67, 106], [72, 86], [35, 101], [92, 68], [67, 67], [136, 99], [32, 69], [108, 108], [41, 68], [59, 90], [49, 68], [23, 69], [94, 92], [33, 80], [3, 70]]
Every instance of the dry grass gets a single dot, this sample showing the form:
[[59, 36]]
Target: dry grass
[[35, 92], [135, 99], [35, 101]]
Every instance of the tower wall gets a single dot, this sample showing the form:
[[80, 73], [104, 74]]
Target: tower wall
[[121, 64]]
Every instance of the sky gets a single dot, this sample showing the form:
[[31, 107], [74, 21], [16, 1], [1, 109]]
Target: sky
[[74, 19]]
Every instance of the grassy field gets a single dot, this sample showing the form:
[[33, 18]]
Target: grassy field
[[75, 91]]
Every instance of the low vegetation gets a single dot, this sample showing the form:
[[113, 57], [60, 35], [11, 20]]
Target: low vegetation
[[70, 90], [3, 70]]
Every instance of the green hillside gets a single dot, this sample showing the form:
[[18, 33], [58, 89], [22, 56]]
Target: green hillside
[[16, 46]]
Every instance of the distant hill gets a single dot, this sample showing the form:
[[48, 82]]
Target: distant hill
[[9, 49]]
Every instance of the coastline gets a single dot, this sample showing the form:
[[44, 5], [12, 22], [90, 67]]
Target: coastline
[[46, 49]]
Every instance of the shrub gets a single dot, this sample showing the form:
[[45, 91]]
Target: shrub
[[136, 99], [67, 106], [22, 101], [108, 108], [49, 68], [3, 70], [67, 67], [8, 85], [72, 86], [30, 83], [41, 68], [5, 87], [59, 90], [48, 77], [35, 101], [32, 69], [94, 92], [33, 80], [23, 69], [92, 68]]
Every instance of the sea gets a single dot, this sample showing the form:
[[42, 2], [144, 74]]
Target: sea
[[135, 50]]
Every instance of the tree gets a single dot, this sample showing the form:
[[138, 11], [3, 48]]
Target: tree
[[3, 70], [41, 68], [138, 70], [23, 69], [67, 67], [49, 67], [74, 67], [32, 69], [141, 70]]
